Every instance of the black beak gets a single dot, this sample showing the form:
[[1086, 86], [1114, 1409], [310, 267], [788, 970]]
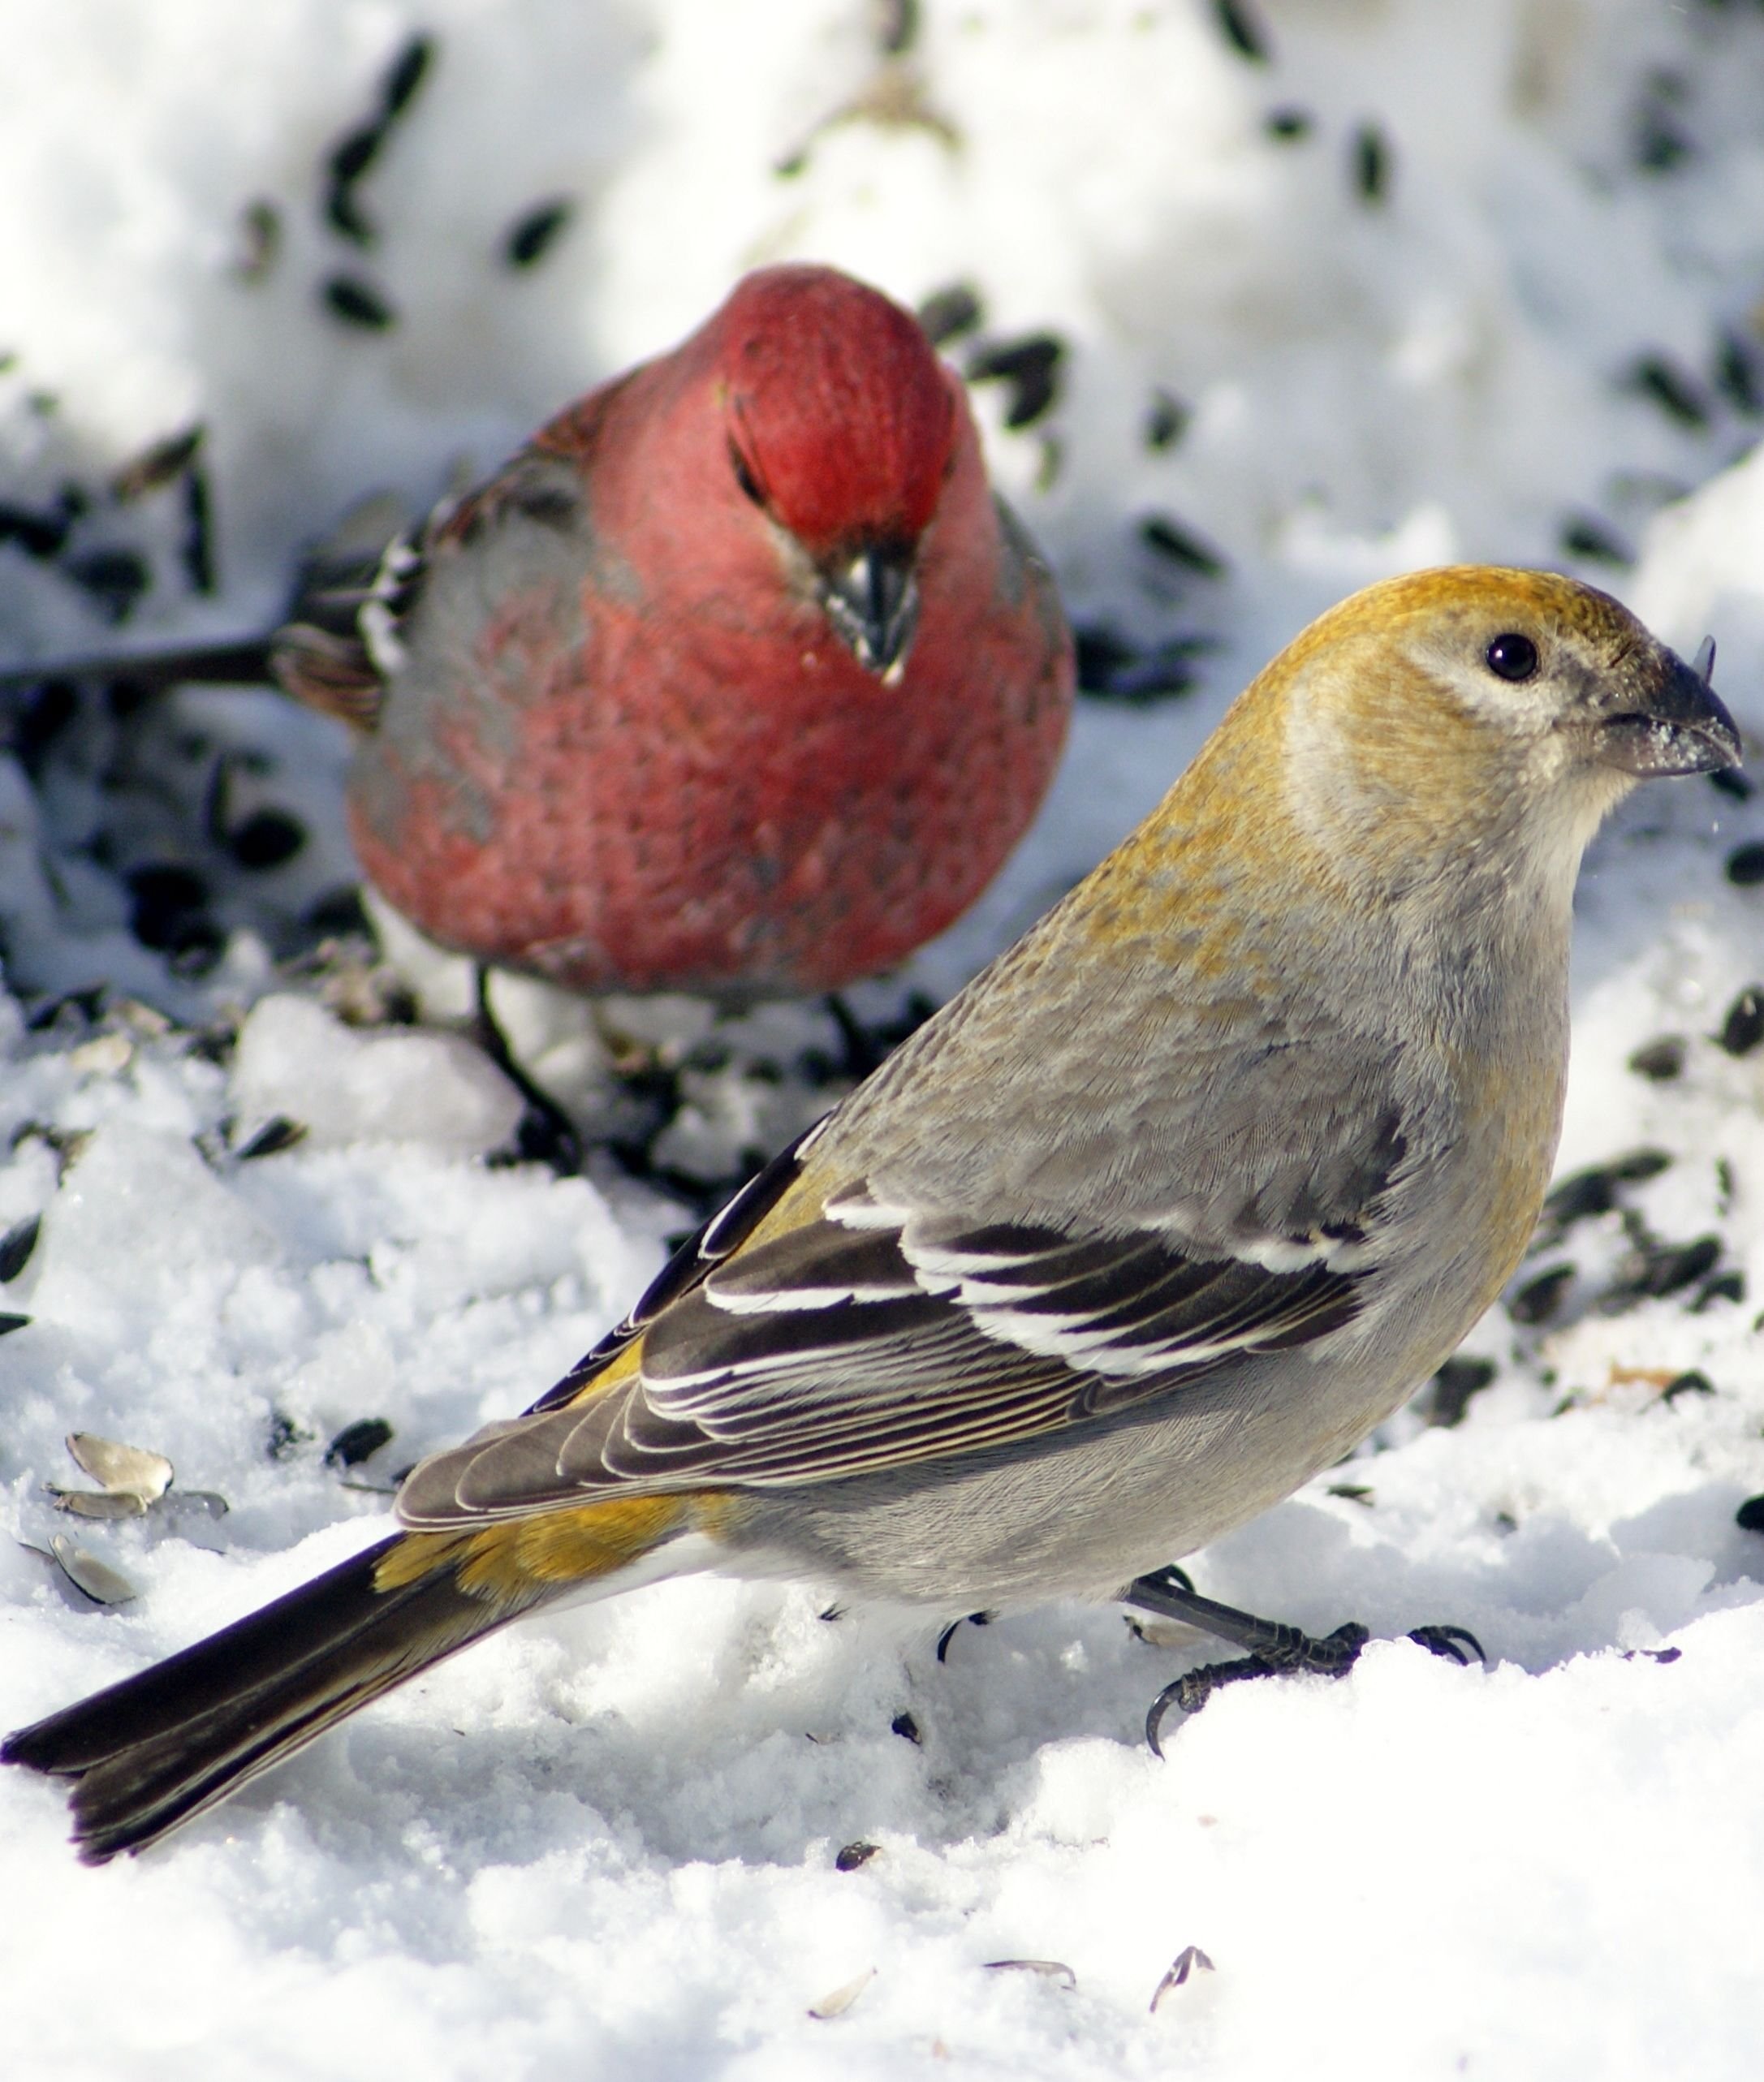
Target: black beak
[[873, 600], [1676, 726]]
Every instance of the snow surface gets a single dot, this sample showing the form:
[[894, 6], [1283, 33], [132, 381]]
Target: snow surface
[[604, 1843]]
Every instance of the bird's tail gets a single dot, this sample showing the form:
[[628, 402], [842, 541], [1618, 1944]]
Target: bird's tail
[[148, 1753], [238, 660]]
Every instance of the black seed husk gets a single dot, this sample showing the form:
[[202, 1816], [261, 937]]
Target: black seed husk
[[17, 1245], [947, 313], [357, 1442], [532, 236], [356, 302]]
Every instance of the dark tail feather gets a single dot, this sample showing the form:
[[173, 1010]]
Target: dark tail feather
[[150, 1752], [243, 662]]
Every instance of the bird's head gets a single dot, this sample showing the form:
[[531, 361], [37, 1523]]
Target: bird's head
[[841, 428], [1476, 714]]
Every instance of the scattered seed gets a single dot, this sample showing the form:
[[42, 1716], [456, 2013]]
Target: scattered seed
[[1737, 371], [406, 75], [1286, 126], [1112, 668], [1749, 1517], [10, 1321], [17, 1245], [1538, 1301], [357, 1442], [125, 695], [47, 710], [265, 839], [1456, 1383], [1654, 375], [1049, 1969], [356, 302], [100, 1582], [196, 549], [1743, 1029], [39, 535], [1165, 420], [286, 1437], [1660, 142], [1372, 163], [95, 1503], [532, 236], [1696, 1382], [1730, 780], [854, 1854], [1244, 30], [1180, 546], [260, 240], [1745, 865], [1660, 1060], [947, 313], [156, 466], [113, 579], [904, 1724], [1029, 366], [206, 1501], [1584, 1194], [125, 1470], [84, 1006], [842, 1998], [350, 159], [1582, 536], [338, 914], [1655, 1270], [1724, 1287], [168, 905], [357, 152], [277, 1134], [104, 1055], [1190, 1959]]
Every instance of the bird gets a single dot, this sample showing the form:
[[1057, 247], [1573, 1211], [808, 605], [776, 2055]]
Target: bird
[[735, 680], [1157, 1217]]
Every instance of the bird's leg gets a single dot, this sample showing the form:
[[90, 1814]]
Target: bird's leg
[[546, 1134], [1270, 1646]]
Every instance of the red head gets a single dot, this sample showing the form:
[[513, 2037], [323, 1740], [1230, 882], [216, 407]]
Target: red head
[[843, 427]]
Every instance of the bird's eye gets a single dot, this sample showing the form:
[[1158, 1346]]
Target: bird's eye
[[743, 476], [1512, 656]]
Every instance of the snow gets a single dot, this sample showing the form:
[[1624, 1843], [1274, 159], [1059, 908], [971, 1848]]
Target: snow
[[606, 1843]]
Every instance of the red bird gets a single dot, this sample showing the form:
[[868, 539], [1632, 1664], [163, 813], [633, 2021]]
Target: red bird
[[736, 679]]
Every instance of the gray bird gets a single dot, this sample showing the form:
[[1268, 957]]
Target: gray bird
[[1177, 1199]]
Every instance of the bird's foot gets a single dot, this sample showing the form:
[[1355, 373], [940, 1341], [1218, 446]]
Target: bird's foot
[[1273, 1649]]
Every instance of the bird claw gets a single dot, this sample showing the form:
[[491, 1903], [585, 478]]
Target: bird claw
[[1329, 1655], [1326, 1655], [949, 1633], [1450, 1642]]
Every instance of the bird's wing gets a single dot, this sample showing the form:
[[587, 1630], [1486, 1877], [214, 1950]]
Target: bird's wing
[[341, 666], [778, 1351]]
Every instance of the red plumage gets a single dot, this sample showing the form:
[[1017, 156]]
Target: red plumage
[[736, 679]]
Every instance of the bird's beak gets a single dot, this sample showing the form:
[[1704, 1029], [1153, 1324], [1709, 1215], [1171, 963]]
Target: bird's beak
[[1670, 721], [872, 600]]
